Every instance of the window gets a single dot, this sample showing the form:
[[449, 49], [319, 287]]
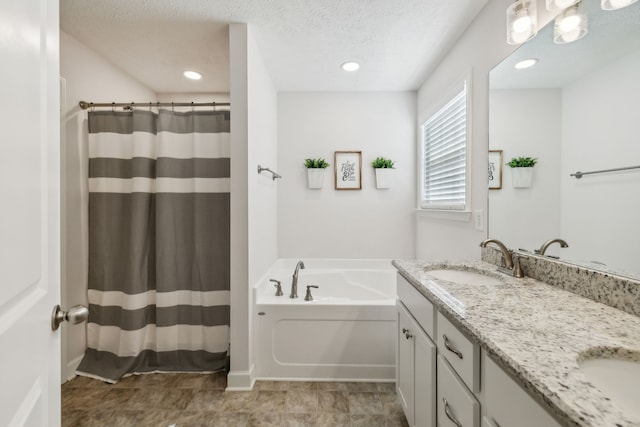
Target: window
[[444, 155]]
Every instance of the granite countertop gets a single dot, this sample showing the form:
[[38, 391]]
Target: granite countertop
[[537, 332]]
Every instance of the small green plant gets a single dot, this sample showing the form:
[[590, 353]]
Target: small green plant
[[522, 162], [316, 163], [382, 163]]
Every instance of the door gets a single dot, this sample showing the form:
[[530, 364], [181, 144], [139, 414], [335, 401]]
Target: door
[[29, 213], [405, 364]]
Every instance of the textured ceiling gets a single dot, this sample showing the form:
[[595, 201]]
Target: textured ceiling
[[303, 42]]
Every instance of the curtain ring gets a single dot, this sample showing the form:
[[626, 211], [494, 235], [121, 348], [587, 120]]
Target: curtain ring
[[150, 106], [172, 107], [113, 107], [193, 108]]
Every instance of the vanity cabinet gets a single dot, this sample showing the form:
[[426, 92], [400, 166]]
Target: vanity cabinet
[[416, 370], [445, 379], [507, 404]]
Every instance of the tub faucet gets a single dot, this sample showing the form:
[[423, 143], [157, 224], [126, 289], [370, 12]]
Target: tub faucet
[[294, 282], [548, 243]]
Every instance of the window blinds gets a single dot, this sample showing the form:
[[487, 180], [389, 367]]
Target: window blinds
[[445, 156]]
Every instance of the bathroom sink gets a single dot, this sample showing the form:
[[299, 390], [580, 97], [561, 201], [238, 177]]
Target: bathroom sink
[[617, 379], [464, 277]]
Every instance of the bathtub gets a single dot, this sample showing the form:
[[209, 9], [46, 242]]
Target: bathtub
[[348, 331]]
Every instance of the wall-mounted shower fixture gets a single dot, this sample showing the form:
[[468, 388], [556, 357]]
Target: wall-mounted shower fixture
[[274, 175]]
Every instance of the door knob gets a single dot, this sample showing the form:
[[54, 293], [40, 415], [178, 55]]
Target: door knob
[[76, 314]]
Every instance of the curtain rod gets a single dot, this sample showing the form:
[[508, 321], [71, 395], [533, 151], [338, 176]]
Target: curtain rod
[[85, 105]]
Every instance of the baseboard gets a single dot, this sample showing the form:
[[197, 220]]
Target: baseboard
[[241, 380], [72, 366]]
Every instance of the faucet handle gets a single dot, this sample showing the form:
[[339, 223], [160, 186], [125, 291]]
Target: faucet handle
[[278, 287], [308, 296], [517, 268]]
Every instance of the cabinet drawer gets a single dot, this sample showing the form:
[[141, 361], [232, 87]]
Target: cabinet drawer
[[419, 306], [455, 402], [462, 353], [507, 404]]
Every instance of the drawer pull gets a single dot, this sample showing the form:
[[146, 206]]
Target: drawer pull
[[448, 413], [451, 349]]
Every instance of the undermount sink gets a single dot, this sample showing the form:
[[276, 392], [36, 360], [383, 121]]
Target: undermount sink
[[464, 277], [617, 379]]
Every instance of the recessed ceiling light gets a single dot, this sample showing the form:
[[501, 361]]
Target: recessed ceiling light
[[350, 66], [193, 75], [526, 64]]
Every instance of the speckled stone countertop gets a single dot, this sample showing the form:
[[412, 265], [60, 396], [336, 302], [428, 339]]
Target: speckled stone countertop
[[537, 333]]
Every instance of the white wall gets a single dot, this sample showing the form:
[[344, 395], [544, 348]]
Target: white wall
[[479, 49], [253, 197], [326, 223], [527, 123], [88, 77], [602, 135]]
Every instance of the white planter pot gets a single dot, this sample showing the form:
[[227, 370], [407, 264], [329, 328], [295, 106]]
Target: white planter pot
[[315, 178], [521, 177], [384, 177]]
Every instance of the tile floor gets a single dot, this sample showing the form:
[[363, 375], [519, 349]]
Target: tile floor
[[200, 400]]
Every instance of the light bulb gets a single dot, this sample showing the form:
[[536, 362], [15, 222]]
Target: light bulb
[[521, 21], [569, 23], [521, 24]]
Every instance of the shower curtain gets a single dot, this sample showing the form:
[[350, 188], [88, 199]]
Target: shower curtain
[[159, 241]]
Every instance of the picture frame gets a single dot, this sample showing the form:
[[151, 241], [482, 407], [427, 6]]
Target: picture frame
[[495, 169], [348, 170]]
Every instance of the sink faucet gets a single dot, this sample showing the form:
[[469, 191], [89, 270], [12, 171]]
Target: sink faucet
[[548, 243], [506, 255], [294, 282]]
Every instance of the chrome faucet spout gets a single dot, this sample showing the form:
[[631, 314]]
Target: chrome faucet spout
[[294, 281], [548, 243], [506, 255]]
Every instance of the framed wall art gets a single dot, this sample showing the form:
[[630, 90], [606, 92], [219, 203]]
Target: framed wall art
[[495, 169], [348, 168]]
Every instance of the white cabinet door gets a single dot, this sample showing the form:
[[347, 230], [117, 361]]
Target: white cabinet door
[[425, 380], [506, 404], [405, 366], [416, 371], [30, 218]]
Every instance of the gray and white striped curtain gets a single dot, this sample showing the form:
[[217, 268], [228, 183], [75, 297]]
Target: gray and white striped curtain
[[158, 243]]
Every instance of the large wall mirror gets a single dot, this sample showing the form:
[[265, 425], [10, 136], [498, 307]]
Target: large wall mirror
[[576, 109]]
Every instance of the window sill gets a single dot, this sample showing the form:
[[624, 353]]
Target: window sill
[[458, 216]]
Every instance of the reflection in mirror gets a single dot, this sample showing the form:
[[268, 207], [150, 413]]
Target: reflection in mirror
[[576, 109]]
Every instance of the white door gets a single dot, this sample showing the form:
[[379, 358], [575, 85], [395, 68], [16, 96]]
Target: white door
[[29, 213]]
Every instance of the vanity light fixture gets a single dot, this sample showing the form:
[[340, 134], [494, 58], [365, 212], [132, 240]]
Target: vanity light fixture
[[526, 63], [350, 66], [522, 21], [192, 75], [570, 25], [616, 4], [557, 5]]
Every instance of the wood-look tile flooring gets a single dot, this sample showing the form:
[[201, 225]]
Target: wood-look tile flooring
[[201, 400]]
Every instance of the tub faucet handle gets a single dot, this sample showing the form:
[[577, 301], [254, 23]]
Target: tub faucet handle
[[308, 296], [278, 287]]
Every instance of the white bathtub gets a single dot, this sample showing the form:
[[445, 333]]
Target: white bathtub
[[348, 331]]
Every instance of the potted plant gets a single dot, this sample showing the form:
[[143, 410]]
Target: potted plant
[[384, 172], [315, 172], [522, 171]]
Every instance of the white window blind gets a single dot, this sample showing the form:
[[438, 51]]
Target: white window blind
[[444, 169]]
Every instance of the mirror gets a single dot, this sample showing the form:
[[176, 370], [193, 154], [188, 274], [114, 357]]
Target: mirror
[[577, 109]]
